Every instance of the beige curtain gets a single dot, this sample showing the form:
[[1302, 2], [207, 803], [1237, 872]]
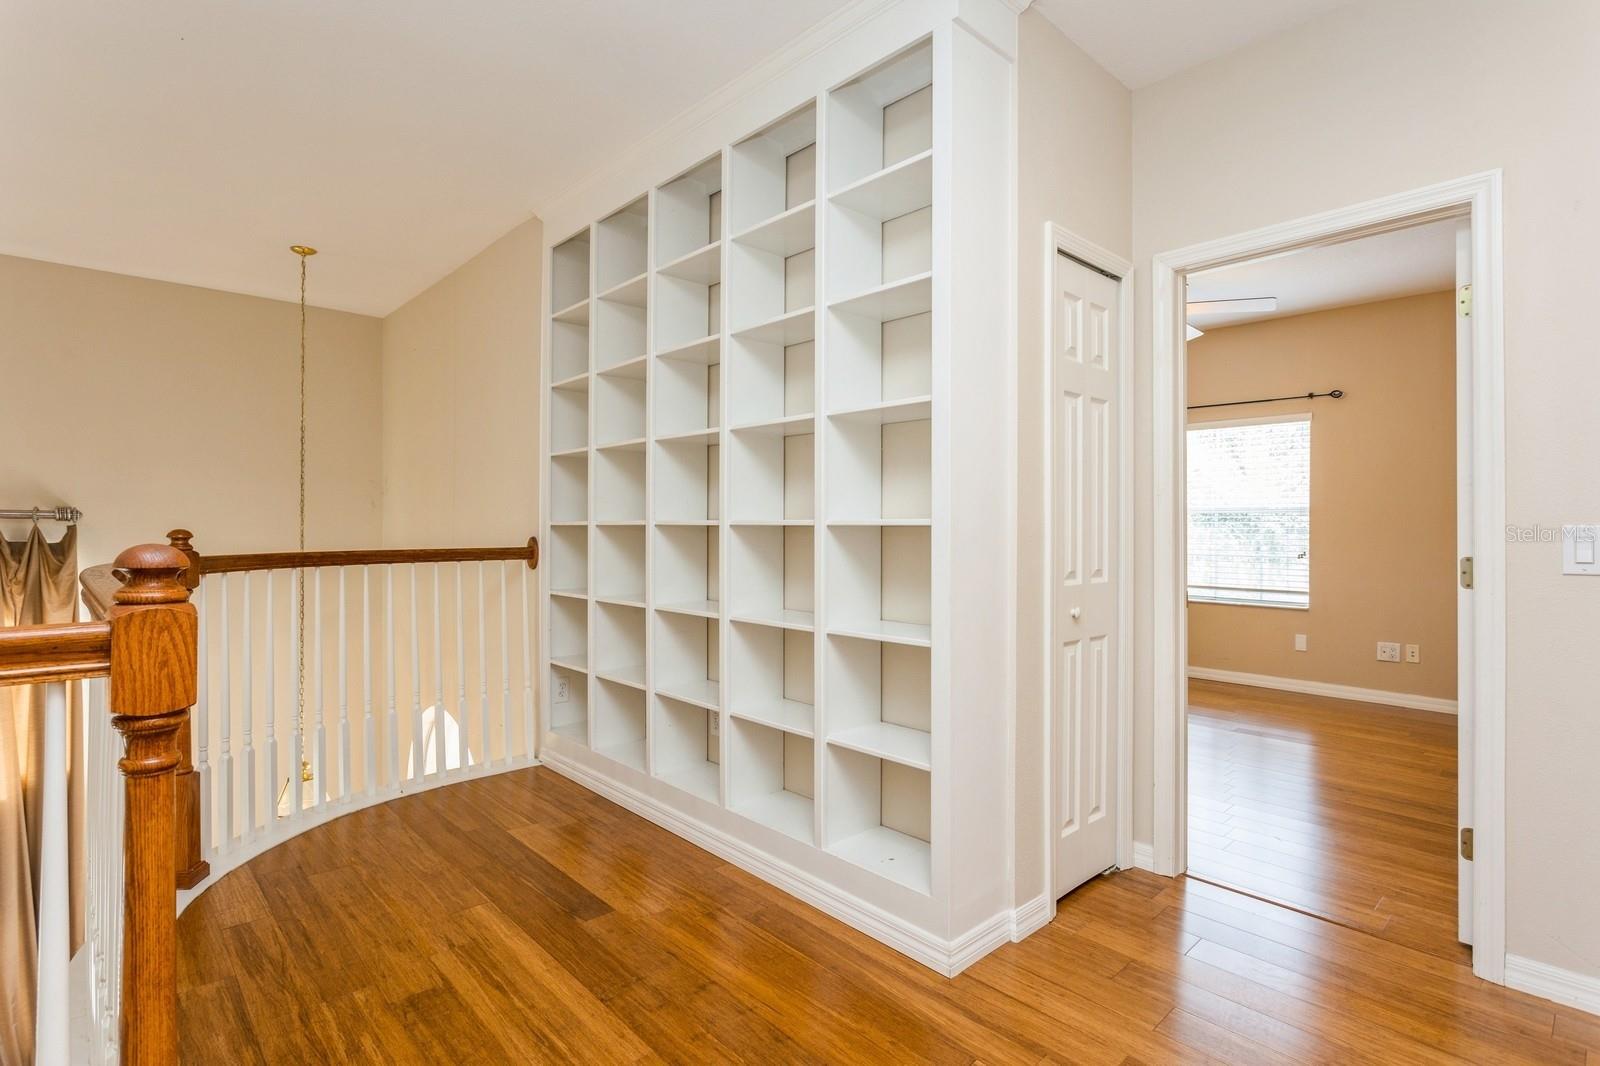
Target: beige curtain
[[38, 584]]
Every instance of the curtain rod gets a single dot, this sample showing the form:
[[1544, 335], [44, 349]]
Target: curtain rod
[[1335, 394], [53, 514]]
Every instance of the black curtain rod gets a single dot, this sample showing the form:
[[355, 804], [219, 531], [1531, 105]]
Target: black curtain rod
[[1335, 394]]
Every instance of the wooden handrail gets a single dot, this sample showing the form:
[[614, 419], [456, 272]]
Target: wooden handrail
[[64, 652], [201, 565]]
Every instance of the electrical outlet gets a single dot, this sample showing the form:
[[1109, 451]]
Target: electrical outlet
[[563, 688], [1388, 652], [715, 723], [1413, 653], [1299, 642]]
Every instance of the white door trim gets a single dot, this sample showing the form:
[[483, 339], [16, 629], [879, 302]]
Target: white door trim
[[1057, 240], [1478, 197]]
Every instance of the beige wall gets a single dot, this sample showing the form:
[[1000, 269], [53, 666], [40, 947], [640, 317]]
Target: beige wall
[[1074, 170], [150, 405], [1372, 100], [461, 403], [1383, 522]]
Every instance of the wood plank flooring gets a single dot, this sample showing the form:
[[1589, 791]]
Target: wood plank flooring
[[522, 919], [1344, 810]]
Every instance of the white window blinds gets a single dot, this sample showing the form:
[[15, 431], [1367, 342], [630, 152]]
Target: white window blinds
[[1250, 512]]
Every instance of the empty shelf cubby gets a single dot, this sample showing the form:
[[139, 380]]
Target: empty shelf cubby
[[771, 676], [879, 583], [771, 775], [619, 563], [569, 632], [770, 381], [688, 395], [569, 274], [688, 474], [689, 218], [620, 243], [619, 723], [879, 700], [687, 560], [569, 349], [771, 572], [774, 173], [773, 473], [619, 643], [879, 816], [619, 412], [881, 470], [687, 743], [569, 717], [569, 416], [566, 560], [619, 483], [686, 658], [569, 488]]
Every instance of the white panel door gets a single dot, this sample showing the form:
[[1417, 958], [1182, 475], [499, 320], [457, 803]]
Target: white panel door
[[1464, 625], [1087, 349]]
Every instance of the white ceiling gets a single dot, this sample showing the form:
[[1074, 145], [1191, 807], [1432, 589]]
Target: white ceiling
[[1385, 267], [1142, 42], [195, 140]]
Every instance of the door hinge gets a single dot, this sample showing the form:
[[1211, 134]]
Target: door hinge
[[1464, 301], [1466, 571], [1466, 843]]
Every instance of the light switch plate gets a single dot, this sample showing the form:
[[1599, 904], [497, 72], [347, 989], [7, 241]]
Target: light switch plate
[[1580, 550]]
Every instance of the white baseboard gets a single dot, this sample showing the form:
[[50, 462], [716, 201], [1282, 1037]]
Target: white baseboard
[[1326, 688], [1144, 856], [947, 957], [1032, 916], [1566, 987]]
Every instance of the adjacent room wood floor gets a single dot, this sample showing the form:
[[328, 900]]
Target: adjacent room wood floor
[[520, 918], [1344, 810]]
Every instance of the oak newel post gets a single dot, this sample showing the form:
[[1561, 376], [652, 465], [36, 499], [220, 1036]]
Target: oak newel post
[[152, 687], [191, 867]]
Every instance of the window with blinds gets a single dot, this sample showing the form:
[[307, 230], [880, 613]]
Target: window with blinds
[[1250, 512]]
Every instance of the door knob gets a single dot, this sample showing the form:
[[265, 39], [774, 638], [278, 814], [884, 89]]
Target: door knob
[[1076, 611]]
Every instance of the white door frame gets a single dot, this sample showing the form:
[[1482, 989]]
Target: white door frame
[[1059, 240], [1478, 197]]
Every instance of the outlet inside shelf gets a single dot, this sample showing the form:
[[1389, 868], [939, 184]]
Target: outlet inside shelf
[[880, 582], [619, 485], [566, 559], [619, 723], [879, 816], [689, 212], [688, 480], [688, 394], [619, 563], [618, 408], [686, 658], [686, 568], [569, 273], [773, 472], [569, 631], [570, 717], [771, 677], [619, 645], [688, 747], [569, 488], [880, 471], [620, 243], [770, 777], [772, 573]]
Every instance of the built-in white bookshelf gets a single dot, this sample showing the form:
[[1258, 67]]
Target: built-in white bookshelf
[[751, 484]]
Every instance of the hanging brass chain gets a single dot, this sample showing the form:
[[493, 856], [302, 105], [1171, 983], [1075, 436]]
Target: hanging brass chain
[[304, 253]]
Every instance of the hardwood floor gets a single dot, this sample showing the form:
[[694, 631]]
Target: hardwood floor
[[1344, 810], [520, 918]]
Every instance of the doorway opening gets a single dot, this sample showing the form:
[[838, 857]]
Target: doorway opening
[[1321, 590], [1479, 619]]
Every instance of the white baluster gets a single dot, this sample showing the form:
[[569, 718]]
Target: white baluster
[[483, 678], [391, 724], [463, 733], [319, 767], [50, 1019], [273, 762], [505, 669], [202, 721], [344, 697], [529, 741], [250, 786], [226, 720], [369, 739], [295, 787], [417, 760], [438, 675]]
